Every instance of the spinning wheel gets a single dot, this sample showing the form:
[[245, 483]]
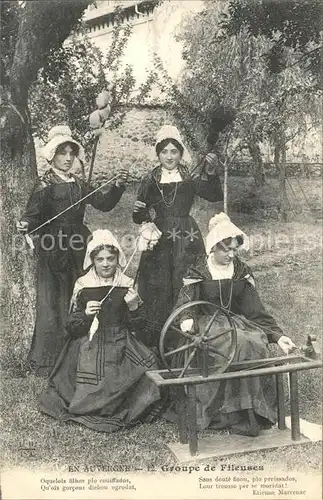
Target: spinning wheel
[[208, 350], [211, 344]]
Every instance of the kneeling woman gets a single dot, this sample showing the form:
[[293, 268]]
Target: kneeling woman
[[246, 405], [98, 379]]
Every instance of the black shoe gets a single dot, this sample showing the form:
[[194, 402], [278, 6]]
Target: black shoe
[[247, 427], [264, 423]]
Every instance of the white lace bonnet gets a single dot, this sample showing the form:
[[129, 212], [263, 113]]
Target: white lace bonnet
[[220, 228], [59, 135], [103, 237], [172, 132]]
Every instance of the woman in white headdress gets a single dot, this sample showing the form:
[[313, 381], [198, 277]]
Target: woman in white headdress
[[61, 243], [244, 406], [172, 236], [98, 379]]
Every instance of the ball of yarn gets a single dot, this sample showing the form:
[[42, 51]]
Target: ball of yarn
[[59, 130], [218, 219]]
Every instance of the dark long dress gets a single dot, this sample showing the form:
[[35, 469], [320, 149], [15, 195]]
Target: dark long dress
[[161, 270], [60, 246], [102, 384], [227, 401]]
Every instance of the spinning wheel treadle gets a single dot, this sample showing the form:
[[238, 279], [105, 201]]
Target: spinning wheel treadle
[[210, 345]]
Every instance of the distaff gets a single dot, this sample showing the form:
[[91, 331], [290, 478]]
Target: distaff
[[97, 121]]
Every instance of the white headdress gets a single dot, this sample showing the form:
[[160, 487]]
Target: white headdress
[[103, 237], [59, 135], [220, 228], [171, 132]]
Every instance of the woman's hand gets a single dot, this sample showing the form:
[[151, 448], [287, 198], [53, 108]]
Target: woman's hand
[[132, 299], [122, 177], [187, 325], [211, 163], [149, 235], [92, 307], [286, 344], [139, 205], [22, 226]]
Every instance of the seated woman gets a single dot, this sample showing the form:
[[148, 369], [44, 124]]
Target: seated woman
[[98, 379], [244, 406]]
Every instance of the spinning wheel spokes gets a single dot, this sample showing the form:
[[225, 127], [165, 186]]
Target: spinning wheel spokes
[[179, 349], [212, 350], [217, 335], [208, 326], [175, 345], [184, 334], [188, 362]]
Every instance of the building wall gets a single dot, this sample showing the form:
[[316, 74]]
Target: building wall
[[153, 33]]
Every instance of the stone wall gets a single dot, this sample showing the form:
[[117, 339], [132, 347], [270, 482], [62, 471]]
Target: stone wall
[[132, 146]]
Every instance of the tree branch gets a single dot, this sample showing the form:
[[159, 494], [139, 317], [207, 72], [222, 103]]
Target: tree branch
[[43, 26]]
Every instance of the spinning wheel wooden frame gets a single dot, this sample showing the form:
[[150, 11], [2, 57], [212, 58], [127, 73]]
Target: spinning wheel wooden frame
[[197, 342]]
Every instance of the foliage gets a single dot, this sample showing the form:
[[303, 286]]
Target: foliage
[[221, 84], [289, 24], [225, 80], [185, 111], [229, 97], [229, 69], [68, 85]]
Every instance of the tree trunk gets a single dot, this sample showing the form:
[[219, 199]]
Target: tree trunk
[[280, 163], [42, 27], [18, 173], [258, 170], [225, 188]]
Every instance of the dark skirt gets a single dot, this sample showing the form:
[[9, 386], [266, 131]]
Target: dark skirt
[[57, 272], [161, 272], [225, 403], [102, 384], [227, 399]]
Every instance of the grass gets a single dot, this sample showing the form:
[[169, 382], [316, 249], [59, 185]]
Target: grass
[[292, 292], [286, 258]]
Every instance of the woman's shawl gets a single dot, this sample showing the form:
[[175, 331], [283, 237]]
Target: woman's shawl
[[250, 305], [200, 272]]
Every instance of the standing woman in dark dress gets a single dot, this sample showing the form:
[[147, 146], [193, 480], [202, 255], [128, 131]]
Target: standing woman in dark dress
[[246, 405], [61, 243], [169, 191]]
